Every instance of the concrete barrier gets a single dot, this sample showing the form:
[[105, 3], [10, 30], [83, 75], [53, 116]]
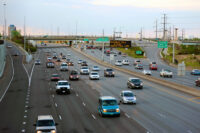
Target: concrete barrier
[[2, 59], [173, 85]]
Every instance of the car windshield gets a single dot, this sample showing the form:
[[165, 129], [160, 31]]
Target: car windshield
[[42, 123], [64, 65], [109, 70], [55, 75], [37, 60], [119, 61], [94, 73], [96, 67], [109, 102], [84, 68], [196, 70], [140, 65], [135, 80], [74, 73], [137, 60], [128, 94], [167, 70], [63, 83]]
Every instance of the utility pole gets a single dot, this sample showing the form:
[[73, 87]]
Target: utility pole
[[76, 32], [183, 34], [141, 34], [164, 26], [4, 28], [102, 56], [24, 33], [156, 29]]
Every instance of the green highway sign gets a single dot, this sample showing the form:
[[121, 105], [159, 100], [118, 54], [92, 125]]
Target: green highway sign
[[162, 44], [86, 39], [102, 39], [138, 52]]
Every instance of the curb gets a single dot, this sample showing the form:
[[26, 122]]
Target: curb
[[175, 86]]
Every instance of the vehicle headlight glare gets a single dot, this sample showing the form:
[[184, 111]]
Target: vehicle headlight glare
[[104, 110], [39, 131], [53, 131], [117, 110]]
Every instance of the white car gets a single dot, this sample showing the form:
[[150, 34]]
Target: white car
[[166, 73], [94, 75], [63, 87], [49, 58], [146, 72], [80, 61], [84, 70], [118, 63], [64, 67], [127, 96], [68, 54], [125, 62], [95, 68], [45, 123]]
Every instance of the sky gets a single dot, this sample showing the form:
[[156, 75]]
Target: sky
[[91, 17]]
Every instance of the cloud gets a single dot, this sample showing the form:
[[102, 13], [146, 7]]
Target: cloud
[[160, 4]]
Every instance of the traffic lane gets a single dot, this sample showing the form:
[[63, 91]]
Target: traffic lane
[[155, 96], [40, 99], [83, 110], [12, 105], [187, 80]]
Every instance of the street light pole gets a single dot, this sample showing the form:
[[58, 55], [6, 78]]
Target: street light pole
[[103, 48], [4, 32], [173, 53], [24, 34]]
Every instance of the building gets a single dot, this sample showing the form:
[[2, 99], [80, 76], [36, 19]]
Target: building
[[10, 29]]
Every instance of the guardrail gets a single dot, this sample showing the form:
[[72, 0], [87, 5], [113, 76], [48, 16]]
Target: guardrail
[[179, 87]]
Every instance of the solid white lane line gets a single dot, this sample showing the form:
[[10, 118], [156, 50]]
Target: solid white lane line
[[25, 116], [84, 104], [24, 123], [53, 95], [60, 117], [56, 105], [10, 80], [76, 94], [26, 111], [31, 75], [93, 117], [23, 130], [127, 115]]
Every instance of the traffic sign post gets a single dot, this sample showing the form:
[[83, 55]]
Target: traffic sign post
[[162, 44]]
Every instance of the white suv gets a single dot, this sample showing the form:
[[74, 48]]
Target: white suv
[[85, 70], [64, 67], [45, 124], [63, 87], [94, 75], [166, 73], [125, 62], [118, 63]]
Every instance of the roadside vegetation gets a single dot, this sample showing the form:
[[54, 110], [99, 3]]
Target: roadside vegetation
[[132, 51], [19, 39], [190, 54]]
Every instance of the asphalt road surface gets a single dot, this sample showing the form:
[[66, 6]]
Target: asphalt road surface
[[158, 110]]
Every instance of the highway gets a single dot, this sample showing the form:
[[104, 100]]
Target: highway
[[152, 54], [158, 110]]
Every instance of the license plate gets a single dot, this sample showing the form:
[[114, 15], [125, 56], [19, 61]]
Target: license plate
[[63, 91]]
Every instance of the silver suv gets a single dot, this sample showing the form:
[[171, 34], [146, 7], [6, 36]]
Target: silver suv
[[64, 67], [45, 124], [63, 87]]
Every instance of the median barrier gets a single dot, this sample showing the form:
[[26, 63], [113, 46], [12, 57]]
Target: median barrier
[[179, 87]]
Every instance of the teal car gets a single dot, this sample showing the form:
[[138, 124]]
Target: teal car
[[108, 106]]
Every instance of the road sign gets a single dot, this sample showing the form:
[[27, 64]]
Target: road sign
[[120, 44], [86, 39], [138, 52], [102, 39], [162, 44]]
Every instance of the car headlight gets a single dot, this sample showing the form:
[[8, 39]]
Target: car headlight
[[113, 72], [117, 110], [141, 83], [132, 84], [53, 131], [134, 98], [39, 131], [104, 110]]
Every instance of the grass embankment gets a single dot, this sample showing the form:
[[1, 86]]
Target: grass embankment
[[189, 54], [132, 52]]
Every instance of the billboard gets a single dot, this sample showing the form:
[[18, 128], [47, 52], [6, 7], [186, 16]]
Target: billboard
[[120, 44]]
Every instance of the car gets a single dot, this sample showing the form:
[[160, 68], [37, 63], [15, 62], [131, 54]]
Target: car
[[84, 63], [127, 96], [69, 54], [9, 46], [80, 61], [125, 62], [70, 63], [197, 82], [94, 75], [37, 62], [153, 67], [139, 66], [134, 83], [50, 64], [119, 53], [118, 63], [166, 73], [55, 57], [109, 72], [108, 106], [49, 59], [95, 68], [68, 60], [63, 57], [195, 72], [73, 75], [84, 70], [64, 67], [16, 54], [58, 59], [55, 77], [137, 62], [45, 124], [146, 72], [63, 87], [124, 55]]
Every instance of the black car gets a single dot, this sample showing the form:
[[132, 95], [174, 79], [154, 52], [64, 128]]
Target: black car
[[134, 83], [74, 75], [108, 72], [58, 60]]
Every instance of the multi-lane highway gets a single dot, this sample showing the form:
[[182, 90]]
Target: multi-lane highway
[[152, 54], [158, 109]]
